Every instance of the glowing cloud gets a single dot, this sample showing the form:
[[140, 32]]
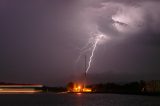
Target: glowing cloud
[[105, 20], [128, 19]]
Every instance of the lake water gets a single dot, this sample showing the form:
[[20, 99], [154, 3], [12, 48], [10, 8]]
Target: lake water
[[52, 99]]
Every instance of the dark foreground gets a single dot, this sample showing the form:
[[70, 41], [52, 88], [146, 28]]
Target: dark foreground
[[64, 99]]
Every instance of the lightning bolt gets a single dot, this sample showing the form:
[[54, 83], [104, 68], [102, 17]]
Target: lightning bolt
[[91, 45], [98, 38]]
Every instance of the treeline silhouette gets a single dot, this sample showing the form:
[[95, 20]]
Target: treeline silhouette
[[110, 87]]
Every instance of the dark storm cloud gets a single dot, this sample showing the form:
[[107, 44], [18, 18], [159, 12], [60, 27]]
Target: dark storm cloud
[[146, 12], [133, 51], [40, 40]]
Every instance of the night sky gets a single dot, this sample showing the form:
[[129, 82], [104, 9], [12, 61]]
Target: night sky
[[40, 40]]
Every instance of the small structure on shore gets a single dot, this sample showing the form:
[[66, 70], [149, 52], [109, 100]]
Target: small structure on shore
[[80, 87], [152, 86]]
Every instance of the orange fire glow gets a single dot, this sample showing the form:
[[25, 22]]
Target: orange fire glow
[[79, 88]]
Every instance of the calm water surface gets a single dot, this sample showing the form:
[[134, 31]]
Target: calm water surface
[[78, 100]]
